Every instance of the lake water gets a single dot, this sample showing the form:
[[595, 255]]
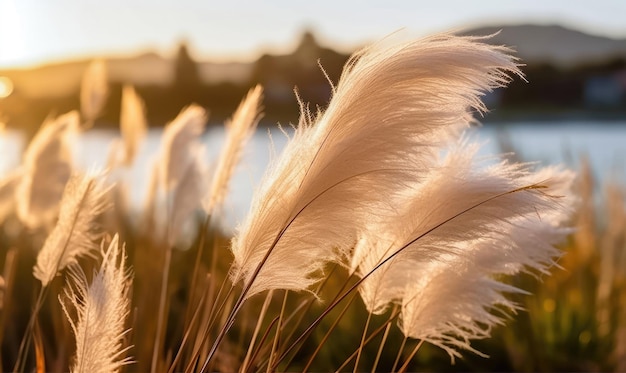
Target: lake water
[[604, 143]]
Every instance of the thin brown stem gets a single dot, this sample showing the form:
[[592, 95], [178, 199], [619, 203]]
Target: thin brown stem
[[257, 329], [186, 336], [161, 315], [23, 351], [370, 338], [399, 355], [196, 267], [262, 341], [394, 254], [362, 344], [277, 335], [328, 333], [411, 356], [382, 343]]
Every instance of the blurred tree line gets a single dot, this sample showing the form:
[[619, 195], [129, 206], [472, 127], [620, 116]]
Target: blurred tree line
[[593, 90]]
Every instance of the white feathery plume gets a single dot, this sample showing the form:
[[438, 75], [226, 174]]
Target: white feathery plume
[[238, 130], [449, 303], [94, 90], [457, 229], [179, 145], [47, 165], [8, 183], [75, 232], [393, 108], [133, 123], [102, 308], [186, 196]]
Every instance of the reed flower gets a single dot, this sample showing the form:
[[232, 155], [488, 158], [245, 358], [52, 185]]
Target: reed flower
[[456, 231], [186, 196], [133, 123], [393, 108], [179, 145], [94, 90], [238, 130], [102, 308], [76, 232], [8, 183], [46, 165]]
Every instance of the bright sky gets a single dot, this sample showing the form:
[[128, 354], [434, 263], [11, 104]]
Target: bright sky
[[33, 32]]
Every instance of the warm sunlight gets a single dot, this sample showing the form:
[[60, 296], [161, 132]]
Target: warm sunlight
[[11, 41], [6, 86]]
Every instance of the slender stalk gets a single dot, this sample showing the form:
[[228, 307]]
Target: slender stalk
[[393, 255], [397, 361], [186, 336], [257, 329], [382, 343], [161, 316], [375, 333], [200, 303], [159, 338], [196, 265], [358, 356], [209, 320], [9, 283], [411, 356], [328, 333], [277, 335], [262, 341], [22, 353]]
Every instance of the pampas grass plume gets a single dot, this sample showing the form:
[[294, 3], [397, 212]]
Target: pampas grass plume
[[102, 308], [393, 108], [238, 130], [75, 233], [179, 145], [94, 90], [186, 196], [46, 165], [133, 123], [463, 225]]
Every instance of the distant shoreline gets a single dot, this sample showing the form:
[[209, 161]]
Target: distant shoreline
[[530, 117]]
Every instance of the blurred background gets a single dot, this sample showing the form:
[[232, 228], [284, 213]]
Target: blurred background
[[571, 108]]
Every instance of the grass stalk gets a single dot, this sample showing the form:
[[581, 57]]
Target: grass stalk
[[328, 333], [161, 316], [257, 329], [362, 343], [399, 355], [405, 366], [383, 342], [277, 335]]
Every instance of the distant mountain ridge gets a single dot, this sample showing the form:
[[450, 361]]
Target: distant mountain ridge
[[558, 45]]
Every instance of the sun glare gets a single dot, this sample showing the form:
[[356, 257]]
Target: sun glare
[[11, 42], [6, 86]]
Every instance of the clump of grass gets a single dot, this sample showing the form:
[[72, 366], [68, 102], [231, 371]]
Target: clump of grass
[[380, 195]]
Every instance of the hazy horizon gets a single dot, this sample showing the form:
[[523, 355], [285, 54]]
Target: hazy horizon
[[34, 33]]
